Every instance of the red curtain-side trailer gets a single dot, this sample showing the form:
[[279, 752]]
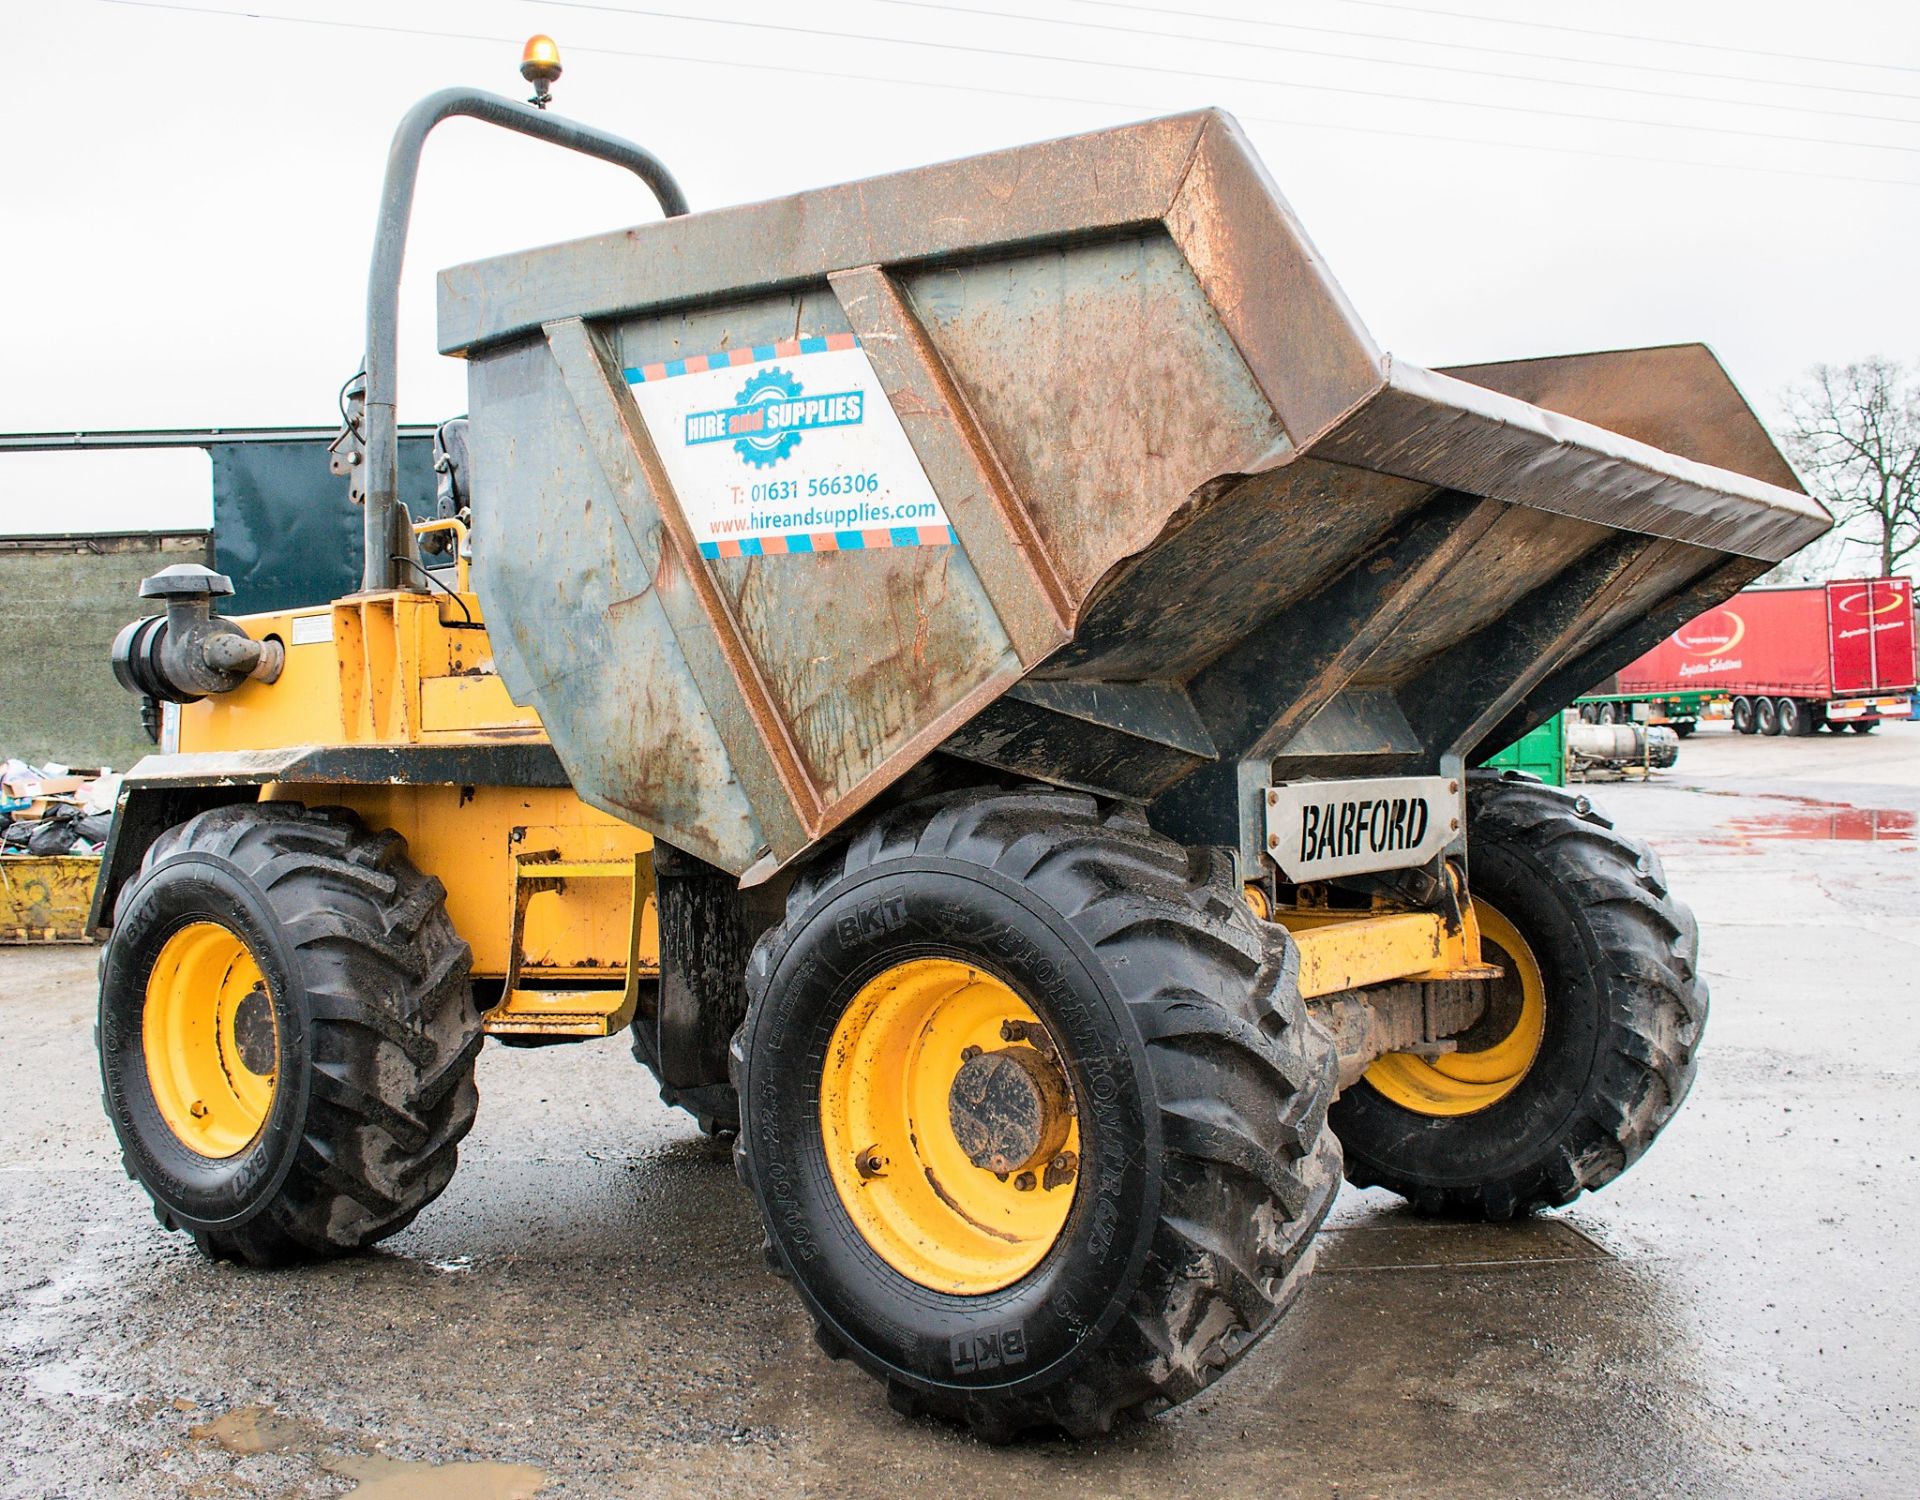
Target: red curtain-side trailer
[[1790, 659]]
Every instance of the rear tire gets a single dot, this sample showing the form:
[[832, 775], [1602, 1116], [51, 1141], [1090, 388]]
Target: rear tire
[[1766, 716], [1796, 718], [1743, 716], [373, 1034], [1199, 1088], [714, 1107], [1624, 1010], [1864, 726]]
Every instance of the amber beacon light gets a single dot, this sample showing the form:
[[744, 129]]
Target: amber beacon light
[[540, 66]]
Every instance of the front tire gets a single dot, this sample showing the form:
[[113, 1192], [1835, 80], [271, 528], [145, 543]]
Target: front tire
[[286, 1033], [1196, 1089], [1622, 1009]]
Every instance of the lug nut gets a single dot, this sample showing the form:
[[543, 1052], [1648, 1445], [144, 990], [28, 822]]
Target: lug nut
[[1024, 1182], [968, 1054], [1060, 1170], [870, 1163]]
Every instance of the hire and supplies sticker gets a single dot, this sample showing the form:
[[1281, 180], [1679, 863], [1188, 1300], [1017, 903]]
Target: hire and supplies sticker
[[788, 447]]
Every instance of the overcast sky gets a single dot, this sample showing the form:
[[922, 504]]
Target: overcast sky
[[189, 190]]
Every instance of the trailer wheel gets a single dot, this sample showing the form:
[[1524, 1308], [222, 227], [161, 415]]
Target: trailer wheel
[[1743, 716], [286, 1034], [1596, 1050], [1864, 726], [1796, 718], [1032, 1111], [1766, 716]]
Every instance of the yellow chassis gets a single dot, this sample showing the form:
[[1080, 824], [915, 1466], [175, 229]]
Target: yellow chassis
[[1351, 950], [554, 897]]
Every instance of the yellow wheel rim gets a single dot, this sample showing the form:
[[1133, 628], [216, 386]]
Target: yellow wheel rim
[[911, 1110], [1461, 1083], [211, 1040]]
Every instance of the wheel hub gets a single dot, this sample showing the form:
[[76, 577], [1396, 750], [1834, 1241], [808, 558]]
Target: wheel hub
[[1009, 1109], [1495, 1054], [211, 1042], [949, 1126]]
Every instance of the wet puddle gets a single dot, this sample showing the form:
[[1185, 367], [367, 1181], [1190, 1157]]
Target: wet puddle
[[1402, 1246], [397, 1479], [261, 1429], [1824, 823]]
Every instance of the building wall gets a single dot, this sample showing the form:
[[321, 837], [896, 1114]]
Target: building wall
[[62, 601]]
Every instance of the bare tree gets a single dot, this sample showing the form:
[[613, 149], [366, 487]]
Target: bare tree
[[1854, 433]]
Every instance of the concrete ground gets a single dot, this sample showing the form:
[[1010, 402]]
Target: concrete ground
[[584, 1313]]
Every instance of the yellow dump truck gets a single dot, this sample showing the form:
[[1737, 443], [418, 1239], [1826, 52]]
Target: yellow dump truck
[[983, 670]]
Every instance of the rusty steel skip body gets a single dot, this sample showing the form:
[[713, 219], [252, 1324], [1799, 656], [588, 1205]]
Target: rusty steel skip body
[[1206, 535]]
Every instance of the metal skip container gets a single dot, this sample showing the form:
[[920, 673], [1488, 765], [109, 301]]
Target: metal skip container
[[1071, 461]]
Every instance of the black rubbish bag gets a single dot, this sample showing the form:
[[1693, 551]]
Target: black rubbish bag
[[53, 836]]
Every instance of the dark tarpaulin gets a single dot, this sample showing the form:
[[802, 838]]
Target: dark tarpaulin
[[283, 527]]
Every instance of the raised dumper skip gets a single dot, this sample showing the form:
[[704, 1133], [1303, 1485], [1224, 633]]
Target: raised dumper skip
[[1019, 882]]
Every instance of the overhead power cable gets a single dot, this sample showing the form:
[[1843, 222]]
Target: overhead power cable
[[827, 34], [1630, 36], [895, 81], [1401, 39], [1291, 50]]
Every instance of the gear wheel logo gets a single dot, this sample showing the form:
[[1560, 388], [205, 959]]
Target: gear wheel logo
[[764, 448]]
